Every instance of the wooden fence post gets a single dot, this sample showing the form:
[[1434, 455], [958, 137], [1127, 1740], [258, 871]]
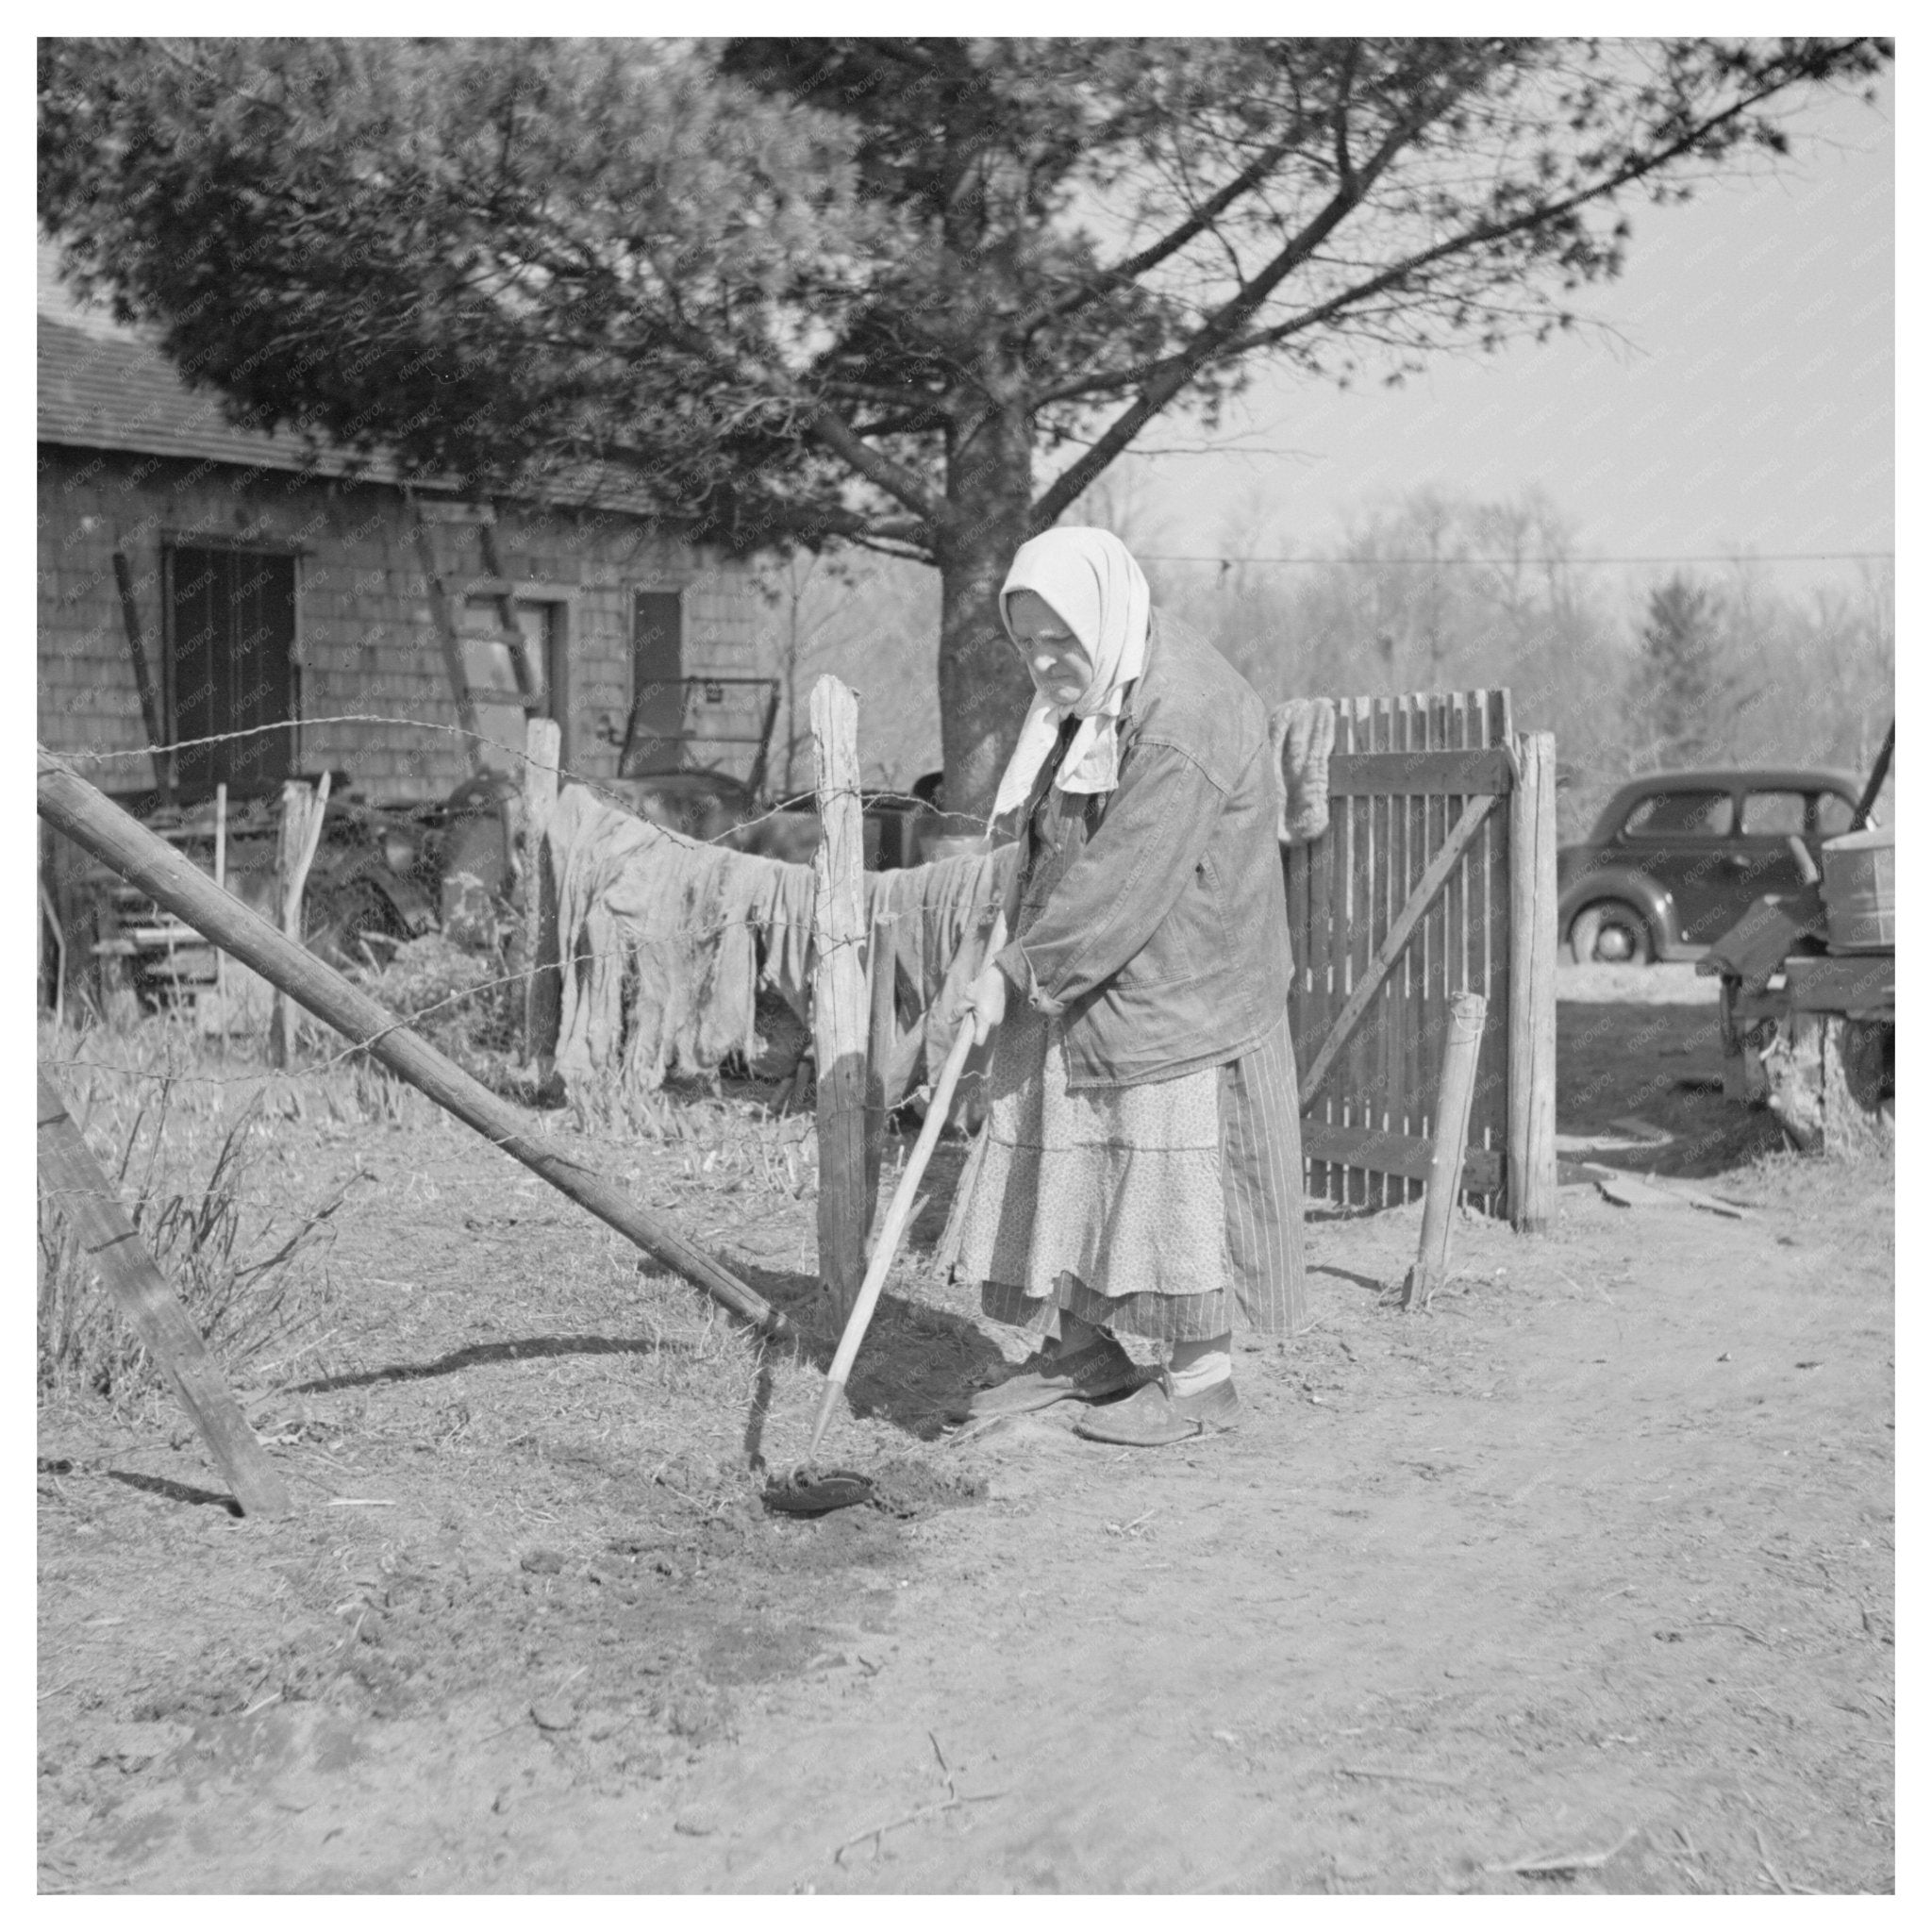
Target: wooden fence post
[[68, 802], [1532, 1101], [881, 969], [542, 988], [107, 1238], [837, 993], [1454, 1092], [222, 882], [301, 831]]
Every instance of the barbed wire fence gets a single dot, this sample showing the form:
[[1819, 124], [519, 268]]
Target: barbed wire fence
[[512, 980]]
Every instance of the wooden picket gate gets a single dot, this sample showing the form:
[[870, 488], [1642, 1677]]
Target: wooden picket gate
[[1437, 876]]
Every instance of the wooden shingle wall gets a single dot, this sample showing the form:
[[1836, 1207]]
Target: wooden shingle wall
[[365, 640]]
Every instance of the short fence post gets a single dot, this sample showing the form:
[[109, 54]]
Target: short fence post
[[542, 990], [838, 993], [222, 883], [301, 832], [1532, 1102], [1454, 1092]]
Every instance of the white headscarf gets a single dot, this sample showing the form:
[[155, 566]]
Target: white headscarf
[[1096, 590]]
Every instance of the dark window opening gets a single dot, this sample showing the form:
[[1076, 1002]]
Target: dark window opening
[[657, 672], [231, 670], [1681, 815]]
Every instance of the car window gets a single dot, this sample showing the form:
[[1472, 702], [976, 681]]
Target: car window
[[1771, 814], [1834, 815], [1680, 814]]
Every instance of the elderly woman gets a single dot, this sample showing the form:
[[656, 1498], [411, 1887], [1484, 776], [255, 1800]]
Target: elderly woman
[[1142, 1168]]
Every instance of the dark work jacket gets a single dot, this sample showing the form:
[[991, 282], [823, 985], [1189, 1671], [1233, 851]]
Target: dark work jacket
[[1152, 920]]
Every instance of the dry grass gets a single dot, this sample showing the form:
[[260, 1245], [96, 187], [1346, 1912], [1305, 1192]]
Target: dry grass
[[187, 1140]]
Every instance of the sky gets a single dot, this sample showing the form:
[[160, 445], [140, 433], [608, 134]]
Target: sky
[[1739, 399]]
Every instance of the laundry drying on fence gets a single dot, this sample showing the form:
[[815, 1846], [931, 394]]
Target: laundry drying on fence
[[1303, 734], [666, 943]]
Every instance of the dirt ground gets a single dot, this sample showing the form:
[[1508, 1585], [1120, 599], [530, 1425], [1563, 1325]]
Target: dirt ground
[[1579, 1582]]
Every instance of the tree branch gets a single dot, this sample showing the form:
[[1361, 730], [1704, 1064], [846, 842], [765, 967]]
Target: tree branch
[[820, 421], [1482, 234], [1217, 342], [837, 436], [1209, 345], [1103, 280]]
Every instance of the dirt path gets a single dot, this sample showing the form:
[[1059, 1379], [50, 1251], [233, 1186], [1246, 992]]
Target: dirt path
[[1593, 1562]]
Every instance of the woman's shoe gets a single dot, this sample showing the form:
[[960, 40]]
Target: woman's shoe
[[1153, 1416], [1101, 1369]]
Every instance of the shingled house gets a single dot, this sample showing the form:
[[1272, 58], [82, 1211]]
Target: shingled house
[[267, 582]]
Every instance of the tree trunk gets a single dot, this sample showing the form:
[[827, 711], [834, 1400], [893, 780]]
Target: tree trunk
[[984, 689]]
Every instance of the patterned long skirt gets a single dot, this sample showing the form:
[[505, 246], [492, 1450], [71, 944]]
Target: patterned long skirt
[[1151, 1211]]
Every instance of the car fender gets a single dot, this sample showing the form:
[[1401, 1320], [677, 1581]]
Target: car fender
[[1657, 903]]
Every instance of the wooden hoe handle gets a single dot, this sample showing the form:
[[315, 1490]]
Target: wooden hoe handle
[[898, 1214]]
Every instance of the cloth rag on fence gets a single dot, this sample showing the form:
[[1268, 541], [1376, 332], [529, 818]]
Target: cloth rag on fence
[[665, 942], [1303, 734]]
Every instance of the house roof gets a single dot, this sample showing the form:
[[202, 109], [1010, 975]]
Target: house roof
[[103, 385], [101, 393]]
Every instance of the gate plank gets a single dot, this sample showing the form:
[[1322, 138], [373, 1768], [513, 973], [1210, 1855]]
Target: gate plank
[[1489, 1125], [1460, 770], [1403, 1155], [1340, 837], [1415, 862], [1435, 924], [1362, 947], [1384, 906]]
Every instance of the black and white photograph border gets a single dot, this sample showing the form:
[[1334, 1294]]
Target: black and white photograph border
[[965, 963]]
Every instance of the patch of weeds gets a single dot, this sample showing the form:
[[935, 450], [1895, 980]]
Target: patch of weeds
[[249, 1273], [465, 1004]]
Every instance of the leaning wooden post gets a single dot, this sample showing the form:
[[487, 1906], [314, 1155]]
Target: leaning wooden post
[[143, 680], [87, 1200], [1454, 1092], [542, 988], [1532, 1170], [97, 824], [837, 993], [301, 832]]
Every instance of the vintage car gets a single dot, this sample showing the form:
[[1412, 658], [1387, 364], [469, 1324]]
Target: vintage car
[[1675, 860]]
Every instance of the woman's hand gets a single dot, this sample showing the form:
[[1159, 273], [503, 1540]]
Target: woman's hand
[[986, 1001]]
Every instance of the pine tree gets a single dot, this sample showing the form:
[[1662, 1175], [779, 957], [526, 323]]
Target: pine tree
[[1684, 688]]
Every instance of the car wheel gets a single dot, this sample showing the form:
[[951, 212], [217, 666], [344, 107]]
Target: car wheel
[[1610, 934]]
